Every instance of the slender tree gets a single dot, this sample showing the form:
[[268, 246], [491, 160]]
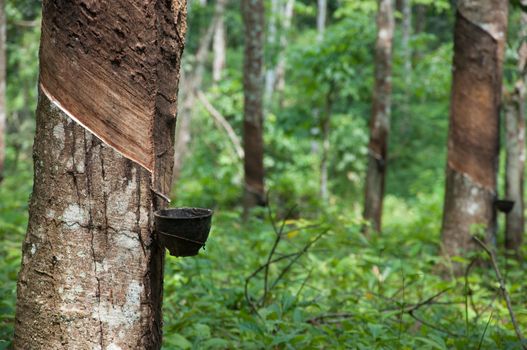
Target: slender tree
[[286, 26], [325, 116], [514, 104], [219, 42], [380, 116], [253, 18], [91, 275], [473, 140], [2, 87]]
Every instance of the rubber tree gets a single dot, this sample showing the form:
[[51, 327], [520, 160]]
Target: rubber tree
[[253, 84], [219, 43], [3, 109], [473, 139], [380, 116], [91, 274], [514, 104]]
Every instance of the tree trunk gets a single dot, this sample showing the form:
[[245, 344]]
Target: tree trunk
[[515, 152], [91, 274], [253, 17], [321, 19], [325, 119], [380, 117], [280, 66], [473, 140], [3, 109], [183, 132], [219, 42], [325, 126], [270, 74], [405, 119]]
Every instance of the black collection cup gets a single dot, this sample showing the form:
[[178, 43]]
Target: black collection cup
[[504, 205], [183, 231]]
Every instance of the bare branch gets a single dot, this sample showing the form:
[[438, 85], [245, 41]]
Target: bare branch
[[223, 124], [503, 289]]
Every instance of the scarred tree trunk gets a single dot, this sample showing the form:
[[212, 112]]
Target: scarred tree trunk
[[380, 117], [473, 141], [253, 17], [219, 42], [515, 143], [91, 275], [2, 87]]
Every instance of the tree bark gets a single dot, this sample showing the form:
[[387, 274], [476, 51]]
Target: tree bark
[[270, 74], [380, 117], [219, 42], [91, 274], [473, 140], [406, 120], [321, 19], [325, 126], [280, 66], [253, 17], [515, 150], [3, 109]]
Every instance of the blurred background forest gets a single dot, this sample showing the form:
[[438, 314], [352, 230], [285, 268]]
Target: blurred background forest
[[345, 290]]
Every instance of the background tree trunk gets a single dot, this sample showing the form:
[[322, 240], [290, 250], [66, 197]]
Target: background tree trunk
[[253, 17], [325, 118], [270, 74], [91, 273], [219, 42], [515, 152], [405, 119], [321, 18], [380, 117], [3, 107], [280, 66], [190, 83], [473, 140]]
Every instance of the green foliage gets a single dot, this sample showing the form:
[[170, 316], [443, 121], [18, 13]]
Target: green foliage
[[348, 291]]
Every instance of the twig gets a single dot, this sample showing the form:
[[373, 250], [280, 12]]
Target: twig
[[503, 289], [430, 325], [322, 318], [485, 331], [298, 256], [222, 123]]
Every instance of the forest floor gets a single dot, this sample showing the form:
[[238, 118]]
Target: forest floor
[[327, 286]]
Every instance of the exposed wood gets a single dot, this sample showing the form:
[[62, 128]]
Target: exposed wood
[[380, 116], [92, 272], [473, 141]]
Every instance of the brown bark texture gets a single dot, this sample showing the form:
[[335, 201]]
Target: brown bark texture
[[515, 149], [3, 109], [253, 17], [473, 140], [89, 47], [380, 116], [92, 272]]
